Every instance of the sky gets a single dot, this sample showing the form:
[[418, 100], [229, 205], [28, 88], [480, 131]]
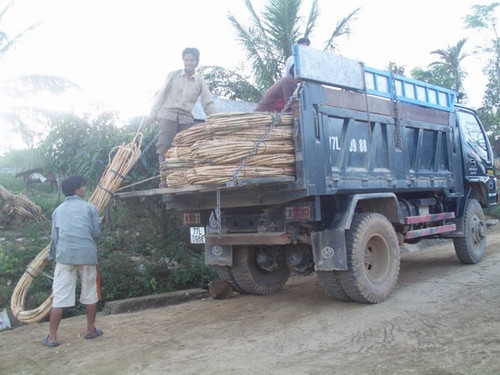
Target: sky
[[119, 51]]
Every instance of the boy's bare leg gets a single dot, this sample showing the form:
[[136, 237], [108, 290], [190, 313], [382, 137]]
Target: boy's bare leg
[[91, 314], [55, 319]]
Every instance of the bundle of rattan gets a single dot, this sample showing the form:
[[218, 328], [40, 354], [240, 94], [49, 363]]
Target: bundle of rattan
[[223, 123], [224, 141], [125, 156], [191, 135], [217, 174], [222, 151], [278, 164], [18, 206], [242, 125], [179, 152], [176, 179]]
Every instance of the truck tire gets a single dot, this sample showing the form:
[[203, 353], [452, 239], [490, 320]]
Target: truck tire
[[331, 284], [252, 276], [470, 249], [372, 258], [226, 273]]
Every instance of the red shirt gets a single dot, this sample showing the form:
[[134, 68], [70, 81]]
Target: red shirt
[[277, 95]]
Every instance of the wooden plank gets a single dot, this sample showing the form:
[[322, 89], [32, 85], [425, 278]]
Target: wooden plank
[[360, 102]]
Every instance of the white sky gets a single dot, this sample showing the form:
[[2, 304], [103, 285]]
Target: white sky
[[119, 51]]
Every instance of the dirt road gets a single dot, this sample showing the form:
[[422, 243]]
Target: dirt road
[[444, 318]]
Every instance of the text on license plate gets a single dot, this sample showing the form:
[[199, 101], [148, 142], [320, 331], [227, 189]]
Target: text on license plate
[[197, 234]]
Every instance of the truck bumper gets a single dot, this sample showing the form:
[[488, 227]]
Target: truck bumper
[[275, 238]]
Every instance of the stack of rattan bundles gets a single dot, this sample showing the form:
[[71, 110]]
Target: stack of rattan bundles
[[217, 148], [18, 206]]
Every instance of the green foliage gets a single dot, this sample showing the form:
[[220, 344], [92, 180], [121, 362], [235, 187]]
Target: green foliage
[[437, 75], [20, 246], [484, 19], [81, 146], [11, 183], [450, 59], [228, 84], [138, 257]]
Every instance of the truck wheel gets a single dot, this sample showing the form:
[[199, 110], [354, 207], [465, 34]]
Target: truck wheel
[[259, 269], [372, 259], [331, 284], [226, 273], [470, 249]]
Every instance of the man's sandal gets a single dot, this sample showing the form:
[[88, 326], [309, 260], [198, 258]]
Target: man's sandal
[[46, 342], [97, 332]]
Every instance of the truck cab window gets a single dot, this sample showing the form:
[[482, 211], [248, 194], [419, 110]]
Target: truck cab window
[[474, 134]]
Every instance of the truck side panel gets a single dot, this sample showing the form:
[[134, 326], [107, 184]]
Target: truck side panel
[[350, 149]]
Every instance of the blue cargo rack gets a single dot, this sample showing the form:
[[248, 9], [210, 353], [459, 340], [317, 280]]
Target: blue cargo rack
[[332, 69], [396, 87]]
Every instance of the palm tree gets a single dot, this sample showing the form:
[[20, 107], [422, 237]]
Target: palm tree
[[451, 57], [268, 41]]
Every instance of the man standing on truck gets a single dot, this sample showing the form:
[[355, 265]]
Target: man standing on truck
[[173, 104]]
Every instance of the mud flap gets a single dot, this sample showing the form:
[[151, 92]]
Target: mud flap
[[329, 250], [218, 255]]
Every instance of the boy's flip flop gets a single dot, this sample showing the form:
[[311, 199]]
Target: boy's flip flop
[[97, 332], [46, 342]]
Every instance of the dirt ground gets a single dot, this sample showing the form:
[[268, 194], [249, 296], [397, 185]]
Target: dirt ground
[[444, 318]]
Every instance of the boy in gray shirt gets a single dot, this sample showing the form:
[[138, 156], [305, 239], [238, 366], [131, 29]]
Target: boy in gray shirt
[[75, 229]]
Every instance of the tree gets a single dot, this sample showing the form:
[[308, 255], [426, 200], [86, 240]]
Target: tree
[[268, 41], [451, 57], [229, 84], [484, 18], [438, 75], [77, 145]]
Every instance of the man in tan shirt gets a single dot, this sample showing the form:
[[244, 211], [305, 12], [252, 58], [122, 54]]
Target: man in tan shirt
[[173, 104]]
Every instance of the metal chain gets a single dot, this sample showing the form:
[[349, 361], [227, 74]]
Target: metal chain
[[276, 120], [398, 139], [218, 216]]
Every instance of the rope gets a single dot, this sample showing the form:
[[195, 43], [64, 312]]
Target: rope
[[124, 159]]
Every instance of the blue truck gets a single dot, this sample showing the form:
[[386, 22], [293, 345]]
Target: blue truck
[[381, 160]]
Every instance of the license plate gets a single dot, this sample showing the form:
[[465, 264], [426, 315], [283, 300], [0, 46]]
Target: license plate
[[197, 234]]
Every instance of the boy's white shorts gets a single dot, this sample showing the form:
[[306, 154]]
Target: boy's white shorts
[[64, 285]]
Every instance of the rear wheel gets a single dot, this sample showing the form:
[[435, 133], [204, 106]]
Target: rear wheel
[[470, 249], [372, 258], [259, 269], [331, 284]]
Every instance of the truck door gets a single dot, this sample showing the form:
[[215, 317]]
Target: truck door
[[478, 155]]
